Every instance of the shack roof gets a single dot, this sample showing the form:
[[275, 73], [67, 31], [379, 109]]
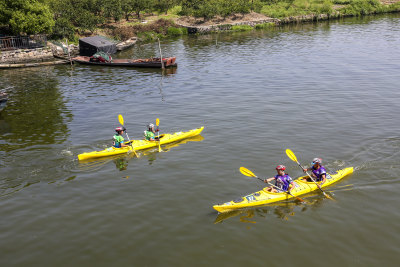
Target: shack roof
[[90, 45]]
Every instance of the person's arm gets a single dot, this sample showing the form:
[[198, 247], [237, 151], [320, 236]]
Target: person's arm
[[269, 179], [122, 142], [323, 179], [291, 186]]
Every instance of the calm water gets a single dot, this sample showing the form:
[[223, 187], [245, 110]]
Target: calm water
[[329, 90]]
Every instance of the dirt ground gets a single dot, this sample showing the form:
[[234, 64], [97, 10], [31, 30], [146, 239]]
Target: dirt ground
[[189, 21]]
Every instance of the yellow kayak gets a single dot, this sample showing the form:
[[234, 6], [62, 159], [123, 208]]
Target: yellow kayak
[[263, 197], [141, 144]]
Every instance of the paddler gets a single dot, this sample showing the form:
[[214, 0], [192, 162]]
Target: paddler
[[149, 134], [282, 180], [318, 171], [118, 140]]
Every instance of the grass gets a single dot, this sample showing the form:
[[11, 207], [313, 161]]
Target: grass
[[172, 31], [265, 26], [241, 28], [298, 8]]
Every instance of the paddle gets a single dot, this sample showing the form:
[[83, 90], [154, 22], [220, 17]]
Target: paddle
[[121, 120], [249, 173], [292, 156], [158, 135]]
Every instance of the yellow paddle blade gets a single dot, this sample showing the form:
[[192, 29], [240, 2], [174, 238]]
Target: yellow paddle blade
[[246, 172], [157, 121], [291, 155], [121, 119]]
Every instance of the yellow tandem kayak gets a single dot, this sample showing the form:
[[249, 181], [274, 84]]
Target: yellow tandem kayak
[[263, 197], [141, 144]]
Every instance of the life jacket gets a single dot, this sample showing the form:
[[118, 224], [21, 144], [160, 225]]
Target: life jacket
[[319, 172], [283, 181], [117, 140]]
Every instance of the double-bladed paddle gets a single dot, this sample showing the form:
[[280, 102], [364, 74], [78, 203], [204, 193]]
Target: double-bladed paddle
[[292, 156], [249, 173], [121, 120]]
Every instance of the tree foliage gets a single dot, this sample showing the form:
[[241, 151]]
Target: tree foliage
[[26, 16]]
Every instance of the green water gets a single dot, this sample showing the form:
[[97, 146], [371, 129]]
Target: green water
[[328, 90]]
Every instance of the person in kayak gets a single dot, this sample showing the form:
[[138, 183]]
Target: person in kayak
[[149, 134], [118, 140], [282, 180], [318, 171]]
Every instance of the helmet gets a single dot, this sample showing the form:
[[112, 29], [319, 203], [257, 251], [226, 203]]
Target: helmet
[[120, 129], [280, 167], [317, 160], [150, 126]]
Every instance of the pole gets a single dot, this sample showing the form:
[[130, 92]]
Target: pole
[[159, 46], [69, 55]]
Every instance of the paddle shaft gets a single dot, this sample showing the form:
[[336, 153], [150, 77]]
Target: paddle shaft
[[158, 134]]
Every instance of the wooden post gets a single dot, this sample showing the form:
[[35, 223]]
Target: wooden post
[[69, 56], [159, 46]]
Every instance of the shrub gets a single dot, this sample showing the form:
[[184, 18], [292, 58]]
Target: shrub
[[267, 25], [172, 31], [241, 28], [362, 7], [123, 33], [175, 10]]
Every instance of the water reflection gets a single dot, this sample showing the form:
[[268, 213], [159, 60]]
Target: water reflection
[[282, 211], [121, 161], [36, 114]]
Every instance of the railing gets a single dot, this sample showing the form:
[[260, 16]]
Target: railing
[[22, 42]]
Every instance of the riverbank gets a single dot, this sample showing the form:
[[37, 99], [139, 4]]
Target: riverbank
[[149, 28]]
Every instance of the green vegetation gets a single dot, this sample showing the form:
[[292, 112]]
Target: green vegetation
[[241, 28], [265, 26], [123, 19], [363, 7], [172, 31], [289, 8]]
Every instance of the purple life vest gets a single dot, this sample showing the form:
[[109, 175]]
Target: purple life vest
[[283, 182], [319, 172]]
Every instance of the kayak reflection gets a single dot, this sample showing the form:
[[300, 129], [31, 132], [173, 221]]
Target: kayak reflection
[[121, 161], [282, 211]]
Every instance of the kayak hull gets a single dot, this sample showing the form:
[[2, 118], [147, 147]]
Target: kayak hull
[[141, 144], [264, 197]]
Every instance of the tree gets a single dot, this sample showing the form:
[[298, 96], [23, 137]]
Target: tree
[[113, 9], [141, 5], [164, 5], [26, 16], [82, 14]]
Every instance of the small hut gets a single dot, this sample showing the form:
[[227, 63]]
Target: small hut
[[88, 46]]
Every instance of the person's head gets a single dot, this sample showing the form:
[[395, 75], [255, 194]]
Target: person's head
[[150, 127], [316, 162], [120, 130], [280, 169]]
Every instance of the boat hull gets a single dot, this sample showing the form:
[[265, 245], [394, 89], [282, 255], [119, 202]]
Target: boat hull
[[264, 197], [139, 63], [141, 144]]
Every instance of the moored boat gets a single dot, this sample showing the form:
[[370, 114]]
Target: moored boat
[[141, 144], [140, 63], [264, 197]]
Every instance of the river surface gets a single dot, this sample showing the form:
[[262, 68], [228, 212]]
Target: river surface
[[328, 90]]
